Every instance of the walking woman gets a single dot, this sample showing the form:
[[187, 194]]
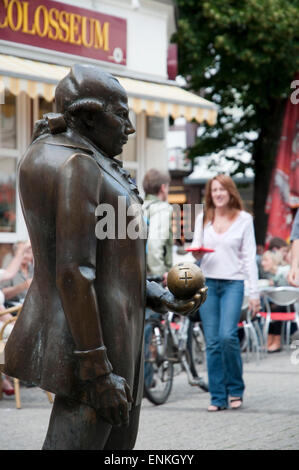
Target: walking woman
[[228, 230]]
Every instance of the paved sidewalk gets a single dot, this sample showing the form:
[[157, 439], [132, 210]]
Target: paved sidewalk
[[269, 418]]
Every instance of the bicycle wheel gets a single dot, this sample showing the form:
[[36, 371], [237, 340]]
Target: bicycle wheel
[[196, 357], [198, 348], [158, 371]]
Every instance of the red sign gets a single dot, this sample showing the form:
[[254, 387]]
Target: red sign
[[172, 61], [57, 26], [284, 188]]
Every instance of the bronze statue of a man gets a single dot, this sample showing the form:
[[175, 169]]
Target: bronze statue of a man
[[80, 332]]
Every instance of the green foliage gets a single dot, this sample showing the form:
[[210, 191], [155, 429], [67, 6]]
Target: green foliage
[[240, 54]]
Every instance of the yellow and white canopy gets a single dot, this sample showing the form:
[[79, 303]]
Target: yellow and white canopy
[[40, 79]]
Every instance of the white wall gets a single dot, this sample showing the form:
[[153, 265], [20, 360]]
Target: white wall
[[156, 154], [147, 44], [147, 32]]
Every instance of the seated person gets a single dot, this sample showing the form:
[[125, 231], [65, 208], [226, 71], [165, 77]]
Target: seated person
[[277, 244], [5, 274], [12, 268], [277, 276], [22, 252], [273, 264], [16, 288], [7, 386]]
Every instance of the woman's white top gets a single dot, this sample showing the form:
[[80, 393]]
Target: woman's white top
[[234, 257]]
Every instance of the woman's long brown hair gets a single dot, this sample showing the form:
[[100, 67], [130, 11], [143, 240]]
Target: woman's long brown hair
[[235, 202]]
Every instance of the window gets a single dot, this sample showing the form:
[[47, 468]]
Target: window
[[129, 153], [44, 107], [39, 107], [8, 162], [8, 122], [16, 117], [7, 194]]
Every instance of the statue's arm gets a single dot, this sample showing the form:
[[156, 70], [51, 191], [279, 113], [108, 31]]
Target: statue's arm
[[162, 300], [77, 198]]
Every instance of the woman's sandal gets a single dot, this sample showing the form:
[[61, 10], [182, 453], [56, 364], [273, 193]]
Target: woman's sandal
[[235, 400], [213, 408]]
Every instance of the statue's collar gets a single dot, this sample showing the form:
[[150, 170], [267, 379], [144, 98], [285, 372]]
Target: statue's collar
[[54, 127], [74, 140]]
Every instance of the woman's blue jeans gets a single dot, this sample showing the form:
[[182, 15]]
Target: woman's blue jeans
[[220, 315]]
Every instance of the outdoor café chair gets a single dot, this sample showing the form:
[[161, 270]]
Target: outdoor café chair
[[254, 340], [285, 296], [16, 383]]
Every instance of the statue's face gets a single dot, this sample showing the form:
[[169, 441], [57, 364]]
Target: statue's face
[[112, 126]]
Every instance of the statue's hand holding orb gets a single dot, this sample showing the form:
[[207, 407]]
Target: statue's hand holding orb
[[184, 280], [186, 288]]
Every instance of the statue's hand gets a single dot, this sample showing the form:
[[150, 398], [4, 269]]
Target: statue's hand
[[111, 396], [162, 300], [186, 306]]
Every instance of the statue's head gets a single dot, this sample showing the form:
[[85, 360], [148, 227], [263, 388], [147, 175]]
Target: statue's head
[[95, 104]]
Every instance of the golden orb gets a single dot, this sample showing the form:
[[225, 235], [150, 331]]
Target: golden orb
[[185, 279]]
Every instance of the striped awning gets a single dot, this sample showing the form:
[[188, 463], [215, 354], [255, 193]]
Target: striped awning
[[155, 99]]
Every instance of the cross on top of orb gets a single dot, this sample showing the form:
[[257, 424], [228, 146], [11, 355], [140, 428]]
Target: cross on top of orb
[[185, 276]]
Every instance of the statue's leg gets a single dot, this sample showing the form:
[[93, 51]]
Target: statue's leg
[[124, 437], [75, 426]]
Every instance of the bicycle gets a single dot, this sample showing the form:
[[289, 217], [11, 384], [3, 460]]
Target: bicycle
[[171, 340]]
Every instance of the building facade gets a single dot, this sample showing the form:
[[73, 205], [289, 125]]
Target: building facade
[[41, 39]]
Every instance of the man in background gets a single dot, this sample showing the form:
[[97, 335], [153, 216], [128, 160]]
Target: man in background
[[158, 214]]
